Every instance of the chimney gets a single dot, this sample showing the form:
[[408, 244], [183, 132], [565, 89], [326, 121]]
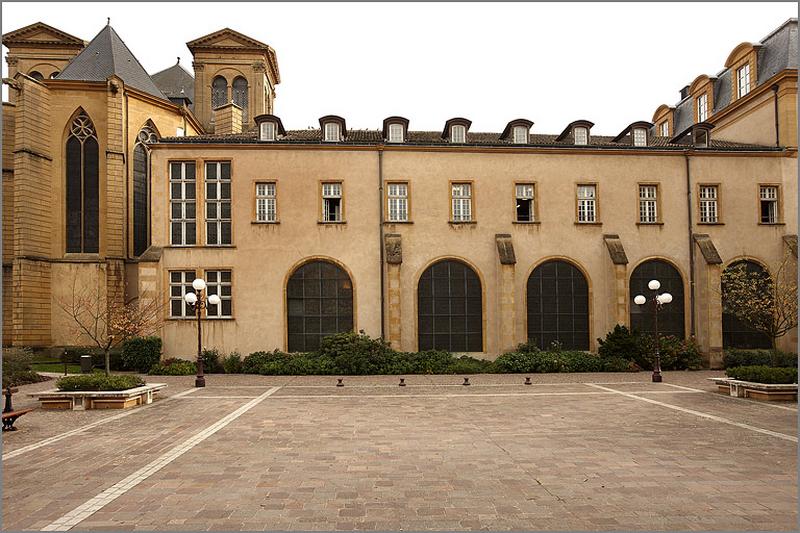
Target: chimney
[[684, 92], [228, 119]]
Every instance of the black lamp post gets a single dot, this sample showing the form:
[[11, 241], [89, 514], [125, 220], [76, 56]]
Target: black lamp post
[[198, 301], [657, 300]]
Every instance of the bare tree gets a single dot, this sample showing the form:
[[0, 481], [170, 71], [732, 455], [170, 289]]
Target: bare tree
[[768, 304], [108, 322]]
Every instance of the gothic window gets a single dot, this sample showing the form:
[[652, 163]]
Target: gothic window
[[735, 332], [83, 188], [670, 317], [450, 308], [319, 302], [240, 96], [141, 189], [558, 306]]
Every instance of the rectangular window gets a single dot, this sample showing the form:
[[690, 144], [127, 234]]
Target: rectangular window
[[180, 132], [395, 133], [769, 204], [581, 135], [525, 207], [218, 203], [180, 284], [332, 132], [267, 131], [520, 135], [648, 204], [702, 108], [219, 282], [458, 134], [709, 212], [266, 203], [332, 202], [183, 203], [397, 195], [665, 129], [587, 203], [743, 80], [462, 202], [639, 137]]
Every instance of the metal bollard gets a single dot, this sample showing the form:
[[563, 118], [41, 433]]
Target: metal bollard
[[339, 382], [528, 381], [466, 381], [402, 382]]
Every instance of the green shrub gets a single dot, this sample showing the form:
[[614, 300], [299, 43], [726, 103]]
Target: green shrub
[[618, 364], [173, 367], [515, 363], [141, 353], [763, 374], [775, 358], [98, 382], [623, 343], [264, 362], [356, 353], [676, 354], [211, 361], [232, 363], [17, 367], [527, 347], [563, 361], [469, 365]]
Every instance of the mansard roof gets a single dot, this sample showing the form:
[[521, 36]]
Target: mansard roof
[[41, 34], [175, 82], [107, 55]]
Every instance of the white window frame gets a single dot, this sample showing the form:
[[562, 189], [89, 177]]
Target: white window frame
[[581, 135], [743, 80], [458, 134], [224, 289], [648, 204], [397, 201], [218, 221], [186, 277], [587, 203], [665, 128], [461, 201], [526, 191], [709, 204], [639, 137], [520, 135], [396, 133], [702, 107], [266, 201], [332, 190], [180, 132], [183, 201], [771, 194], [267, 131], [333, 132]]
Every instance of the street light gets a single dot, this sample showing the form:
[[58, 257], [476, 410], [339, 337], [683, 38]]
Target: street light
[[658, 300], [198, 302]]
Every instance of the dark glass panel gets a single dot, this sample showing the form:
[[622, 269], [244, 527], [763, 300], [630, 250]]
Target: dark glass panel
[[671, 316], [558, 306], [141, 204], [91, 196], [74, 191]]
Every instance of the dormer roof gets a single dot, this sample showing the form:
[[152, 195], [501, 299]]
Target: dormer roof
[[516, 122], [271, 118], [458, 121], [337, 119], [394, 120], [638, 124], [572, 125], [707, 126]]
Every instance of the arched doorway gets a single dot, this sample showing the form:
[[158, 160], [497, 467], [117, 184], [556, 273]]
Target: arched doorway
[[558, 306], [671, 316], [450, 308], [735, 332]]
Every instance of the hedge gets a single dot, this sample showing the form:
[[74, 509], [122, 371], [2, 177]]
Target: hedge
[[141, 353], [775, 358], [173, 367], [98, 382], [763, 374]]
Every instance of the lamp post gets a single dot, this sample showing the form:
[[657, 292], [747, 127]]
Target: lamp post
[[657, 300], [198, 302]]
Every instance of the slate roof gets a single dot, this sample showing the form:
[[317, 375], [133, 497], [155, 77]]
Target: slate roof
[[434, 138], [106, 55], [175, 82]]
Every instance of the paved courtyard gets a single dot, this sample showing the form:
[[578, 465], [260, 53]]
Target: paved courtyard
[[574, 451]]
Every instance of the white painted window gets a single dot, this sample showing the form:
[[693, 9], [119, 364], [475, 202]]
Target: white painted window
[[743, 80], [398, 202], [332, 132], [520, 135], [525, 205], [458, 134], [639, 137], [587, 203], [219, 282], [665, 129], [180, 132], [180, 284], [702, 107], [648, 204], [183, 203], [267, 131], [266, 202], [581, 135], [462, 202], [708, 204], [395, 133], [769, 204], [218, 203], [331, 202]]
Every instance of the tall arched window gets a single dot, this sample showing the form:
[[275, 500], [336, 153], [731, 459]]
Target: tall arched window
[[735, 332], [319, 302], [450, 308], [558, 306], [240, 96], [141, 188], [219, 93], [671, 316], [82, 183]]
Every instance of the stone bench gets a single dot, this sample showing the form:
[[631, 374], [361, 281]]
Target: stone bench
[[758, 391], [81, 400]]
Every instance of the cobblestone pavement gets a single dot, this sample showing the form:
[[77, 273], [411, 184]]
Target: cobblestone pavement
[[572, 451]]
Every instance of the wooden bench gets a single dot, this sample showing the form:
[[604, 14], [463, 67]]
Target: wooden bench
[[9, 414]]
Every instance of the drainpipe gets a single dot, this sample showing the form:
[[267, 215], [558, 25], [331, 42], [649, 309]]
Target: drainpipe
[[692, 329], [777, 129], [380, 244]]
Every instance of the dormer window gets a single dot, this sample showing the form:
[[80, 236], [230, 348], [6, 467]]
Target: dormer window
[[332, 132], [743, 80], [700, 138], [520, 135], [269, 127], [581, 135], [458, 134], [639, 137], [396, 133], [702, 108], [267, 131], [665, 129]]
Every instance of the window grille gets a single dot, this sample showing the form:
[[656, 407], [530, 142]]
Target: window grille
[[458, 134], [180, 284], [219, 282], [648, 204], [708, 204], [331, 202], [524, 197], [743, 80], [83, 187], [769, 204], [395, 133], [266, 202], [587, 203], [558, 306], [218, 203], [398, 202], [183, 203], [581, 135], [462, 202]]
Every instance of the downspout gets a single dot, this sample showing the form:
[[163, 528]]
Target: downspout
[[380, 244], [692, 328], [777, 129]]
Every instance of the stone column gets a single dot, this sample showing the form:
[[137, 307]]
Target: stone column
[[505, 292], [619, 266], [394, 259]]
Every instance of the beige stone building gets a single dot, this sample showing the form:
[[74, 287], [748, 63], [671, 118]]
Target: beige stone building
[[452, 239]]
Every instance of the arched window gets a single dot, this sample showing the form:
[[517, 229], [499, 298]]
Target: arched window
[[735, 332], [670, 317], [35, 74], [141, 188], [558, 306], [319, 302], [54, 75], [240, 96], [450, 308], [219, 93], [83, 192]]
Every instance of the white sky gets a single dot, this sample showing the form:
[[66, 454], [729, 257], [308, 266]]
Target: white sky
[[611, 63]]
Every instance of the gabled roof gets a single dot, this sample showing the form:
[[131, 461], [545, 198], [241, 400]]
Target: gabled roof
[[107, 55], [40, 33], [175, 82], [228, 39]]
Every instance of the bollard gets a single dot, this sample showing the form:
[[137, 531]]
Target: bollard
[[528, 381], [8, 408], [402, 382], [466, 381], [339, 384]]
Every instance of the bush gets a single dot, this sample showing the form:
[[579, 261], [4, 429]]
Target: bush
[[264, 362], [173, 367], [232, 363], [676, 354], [469, 365], [17, 367], [211, 361], [763, 374], [356, 353], [773, 358], [563, 361], [623, 343], [141, 353], [90, 382]]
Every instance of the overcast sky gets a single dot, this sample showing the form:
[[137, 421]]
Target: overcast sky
[[609, 63]]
